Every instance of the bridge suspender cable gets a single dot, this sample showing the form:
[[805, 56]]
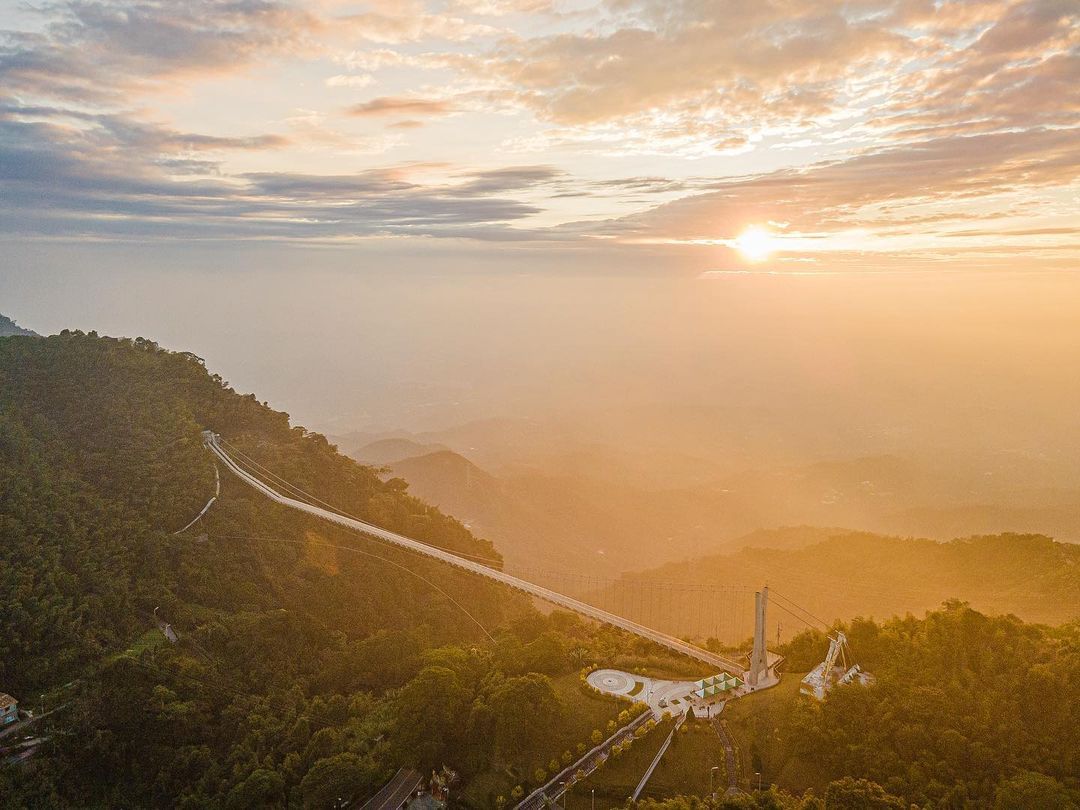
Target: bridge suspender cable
[[548, 595], [354, 550], [308, 496], [825, 625]]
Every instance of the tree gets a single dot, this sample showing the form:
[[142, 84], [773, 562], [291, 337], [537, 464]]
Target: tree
[[262, 788], [860, 794], [344, 776], [526, 710], [1029, 789], [430, 710]]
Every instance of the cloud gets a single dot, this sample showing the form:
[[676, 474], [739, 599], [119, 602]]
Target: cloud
[[98, 51], [401, 21], [514, 178], [874, 188], [350, 80], [401, 105], [917, 116], [694, 75], [62, 181]]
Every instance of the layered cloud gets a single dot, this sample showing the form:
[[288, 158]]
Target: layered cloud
[[101, 51], [669, 122]]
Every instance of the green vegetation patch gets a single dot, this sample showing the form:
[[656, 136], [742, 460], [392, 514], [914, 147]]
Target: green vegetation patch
[[616, 780], [685, 768]]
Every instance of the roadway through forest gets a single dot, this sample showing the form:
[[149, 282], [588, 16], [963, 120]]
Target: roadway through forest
[[554, 597]]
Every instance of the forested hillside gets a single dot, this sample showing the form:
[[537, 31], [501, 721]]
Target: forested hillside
[[311, 662], [838, 574], [967, 710]]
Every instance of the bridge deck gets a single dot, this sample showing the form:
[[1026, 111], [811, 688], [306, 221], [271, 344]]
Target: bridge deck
[[548, 595]]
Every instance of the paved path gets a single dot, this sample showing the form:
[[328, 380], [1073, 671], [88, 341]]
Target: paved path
[[555, 787], [659, 756], [660, 695], [729, 756], [395, 792], [209, 503], [548, 595]]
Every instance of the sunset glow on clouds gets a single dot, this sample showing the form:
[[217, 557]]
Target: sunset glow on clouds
[[855, 134]]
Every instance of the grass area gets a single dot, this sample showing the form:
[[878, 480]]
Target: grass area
[[685, 767], [638, 686], [584, 712], [756, 724], [616, 780], [148, 640], [661, 667]]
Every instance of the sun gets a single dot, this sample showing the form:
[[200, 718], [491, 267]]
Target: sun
[[755, 243]]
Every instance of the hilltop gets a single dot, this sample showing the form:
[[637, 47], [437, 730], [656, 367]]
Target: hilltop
[[9, 328]]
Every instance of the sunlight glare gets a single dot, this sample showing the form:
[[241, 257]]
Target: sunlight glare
[[755, 244]]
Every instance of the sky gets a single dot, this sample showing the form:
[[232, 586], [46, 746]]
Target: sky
[[430, 201]]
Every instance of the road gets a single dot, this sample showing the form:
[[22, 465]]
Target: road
[[395, 792], [554, 597]]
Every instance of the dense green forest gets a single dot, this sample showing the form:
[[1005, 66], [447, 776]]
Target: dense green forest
[[312, 662], [966, 707]]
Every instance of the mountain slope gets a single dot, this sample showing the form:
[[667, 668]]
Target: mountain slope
[[311, 663], [561, 511], [9, 328], [847, 574], [388, 451]]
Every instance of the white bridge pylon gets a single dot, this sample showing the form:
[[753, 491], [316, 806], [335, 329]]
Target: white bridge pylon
[[554, 597]]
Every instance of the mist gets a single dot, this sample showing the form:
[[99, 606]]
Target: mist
[[776, 366]]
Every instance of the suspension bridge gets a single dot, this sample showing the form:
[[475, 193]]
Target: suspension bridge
[[645, 601]]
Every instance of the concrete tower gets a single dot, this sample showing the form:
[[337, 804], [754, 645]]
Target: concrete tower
[[759, 658]]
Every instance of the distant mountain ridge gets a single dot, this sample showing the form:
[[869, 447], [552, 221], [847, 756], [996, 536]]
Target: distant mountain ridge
[[387, 451], [8, 328], [844, 574]]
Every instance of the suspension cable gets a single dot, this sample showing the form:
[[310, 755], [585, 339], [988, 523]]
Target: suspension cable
[[366, 554], [311, 498]]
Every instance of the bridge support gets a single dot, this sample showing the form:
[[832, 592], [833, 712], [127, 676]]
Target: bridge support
[[759, 657]]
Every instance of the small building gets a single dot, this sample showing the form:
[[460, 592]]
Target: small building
[[9, 709]]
